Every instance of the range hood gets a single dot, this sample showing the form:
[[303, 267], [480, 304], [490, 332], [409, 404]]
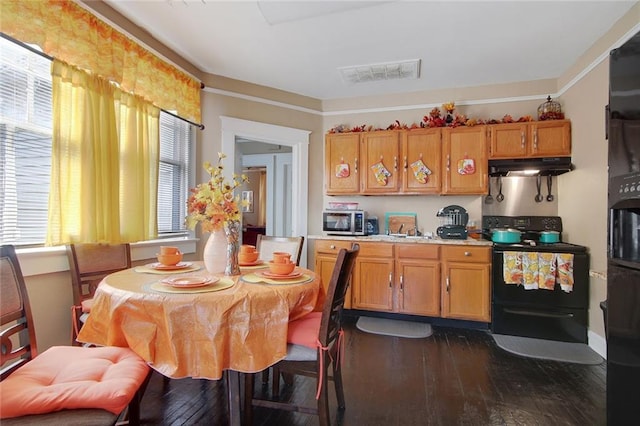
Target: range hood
[[530, 166]]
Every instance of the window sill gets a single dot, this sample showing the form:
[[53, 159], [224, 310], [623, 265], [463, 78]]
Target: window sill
[[48, 260]]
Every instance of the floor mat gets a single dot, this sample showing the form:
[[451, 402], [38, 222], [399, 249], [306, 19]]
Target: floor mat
[[578, 353], [388, 327]]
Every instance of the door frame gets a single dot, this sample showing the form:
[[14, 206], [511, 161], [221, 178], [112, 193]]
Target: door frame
[[297, 139]]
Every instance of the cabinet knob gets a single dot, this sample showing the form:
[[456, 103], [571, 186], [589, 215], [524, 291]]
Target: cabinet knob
[[332, 247], [467, 253]]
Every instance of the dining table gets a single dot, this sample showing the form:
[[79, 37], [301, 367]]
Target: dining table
[[187, 322]]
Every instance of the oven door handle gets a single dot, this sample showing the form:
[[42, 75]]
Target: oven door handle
[[537, 313]]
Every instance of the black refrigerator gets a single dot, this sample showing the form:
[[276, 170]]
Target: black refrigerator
[[622, 308]]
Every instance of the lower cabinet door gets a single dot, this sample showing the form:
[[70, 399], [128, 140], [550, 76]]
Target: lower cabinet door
[[373, 284], [466, 291], [418, 285]]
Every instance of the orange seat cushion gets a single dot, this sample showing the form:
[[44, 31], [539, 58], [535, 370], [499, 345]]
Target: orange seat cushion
[[70, 377], [304, 331]]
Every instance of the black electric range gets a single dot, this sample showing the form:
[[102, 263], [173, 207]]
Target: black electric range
[[540, 313]]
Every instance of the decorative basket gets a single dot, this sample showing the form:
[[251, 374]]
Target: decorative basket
[[550, 110]]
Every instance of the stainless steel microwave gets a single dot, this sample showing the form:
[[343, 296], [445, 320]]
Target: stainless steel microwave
[[344, 222]]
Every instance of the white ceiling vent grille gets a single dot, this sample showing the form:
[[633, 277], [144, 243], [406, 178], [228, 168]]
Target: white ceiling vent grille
[[409, 69]]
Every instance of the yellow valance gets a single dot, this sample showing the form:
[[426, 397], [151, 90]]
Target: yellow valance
[[66, 31]]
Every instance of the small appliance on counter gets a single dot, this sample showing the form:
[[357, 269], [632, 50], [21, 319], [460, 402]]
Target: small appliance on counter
[[373, 228], [453, 223], [344, 222]]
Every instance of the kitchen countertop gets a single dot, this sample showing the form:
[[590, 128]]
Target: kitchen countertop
[[407, 240]]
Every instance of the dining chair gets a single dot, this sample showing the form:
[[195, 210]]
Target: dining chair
[[88, 264], [63, 384], [267, 245], [314, 343]]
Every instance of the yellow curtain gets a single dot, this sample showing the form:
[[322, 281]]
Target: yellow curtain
[[104, 161], [66, 31], [139, 138]]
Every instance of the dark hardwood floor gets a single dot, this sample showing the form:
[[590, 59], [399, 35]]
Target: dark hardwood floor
[[454, 377]]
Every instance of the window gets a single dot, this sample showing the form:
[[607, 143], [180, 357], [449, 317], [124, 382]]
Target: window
[[176, 139], [25, 152]]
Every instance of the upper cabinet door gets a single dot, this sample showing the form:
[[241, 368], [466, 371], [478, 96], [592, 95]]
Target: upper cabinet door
[[422, 161], [381, 162], [550, 138], [342, 163], [508, 140], [465, 162]]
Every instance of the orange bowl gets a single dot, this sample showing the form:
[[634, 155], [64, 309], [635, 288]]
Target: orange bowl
[[169, 259], [281, 268], [244, 257], [247, 248]]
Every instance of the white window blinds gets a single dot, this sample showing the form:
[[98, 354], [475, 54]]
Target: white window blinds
[[176, 139], [25, 150]]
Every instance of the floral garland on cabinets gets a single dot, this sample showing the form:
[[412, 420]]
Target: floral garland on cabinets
[[435, 118]]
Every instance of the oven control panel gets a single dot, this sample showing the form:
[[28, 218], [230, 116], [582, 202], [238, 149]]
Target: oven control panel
[[523, 223]]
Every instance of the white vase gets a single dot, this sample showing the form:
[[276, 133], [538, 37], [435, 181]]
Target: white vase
[[215, 252]]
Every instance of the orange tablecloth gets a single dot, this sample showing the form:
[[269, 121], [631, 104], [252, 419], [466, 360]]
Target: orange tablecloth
[[242, 328]]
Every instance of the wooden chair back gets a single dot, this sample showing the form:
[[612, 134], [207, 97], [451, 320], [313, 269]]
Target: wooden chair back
[[331, 323], [267, 244], [17, 335], [90, 263]]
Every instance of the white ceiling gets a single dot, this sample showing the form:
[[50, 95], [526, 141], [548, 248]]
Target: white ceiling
[[300, 46]]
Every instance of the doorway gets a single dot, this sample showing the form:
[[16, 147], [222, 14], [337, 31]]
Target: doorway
[[273, 197], [234, 129]]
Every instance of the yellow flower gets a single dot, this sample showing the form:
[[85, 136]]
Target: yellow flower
[[449, 107], [213, 203]]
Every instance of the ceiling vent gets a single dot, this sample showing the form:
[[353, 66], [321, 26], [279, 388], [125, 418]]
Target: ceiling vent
[[409, 69]]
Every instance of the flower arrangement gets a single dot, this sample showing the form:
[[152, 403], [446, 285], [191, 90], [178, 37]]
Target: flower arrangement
[[213, 203]]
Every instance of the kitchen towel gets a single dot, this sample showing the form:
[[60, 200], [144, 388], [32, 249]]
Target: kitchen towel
[[530, 270], [512, 267], [565, 271], [547, 270]]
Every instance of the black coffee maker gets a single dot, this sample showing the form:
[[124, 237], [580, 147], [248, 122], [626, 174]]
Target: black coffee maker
[[453, 223]]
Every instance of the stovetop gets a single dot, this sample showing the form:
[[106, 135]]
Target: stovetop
[[531, 227], [541, 247]]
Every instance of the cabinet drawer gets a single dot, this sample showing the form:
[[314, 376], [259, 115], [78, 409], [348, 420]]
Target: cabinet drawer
[[466, 254], [375, 250], [331, 246], [418, 251]]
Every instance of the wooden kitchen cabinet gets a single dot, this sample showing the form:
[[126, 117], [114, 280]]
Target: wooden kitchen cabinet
[[326, 252], [373, 277], [382, 149], [463, 145], [342, 168], [550, 138], [532, 139], [466, 284], [417, 271], [422, 145]]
